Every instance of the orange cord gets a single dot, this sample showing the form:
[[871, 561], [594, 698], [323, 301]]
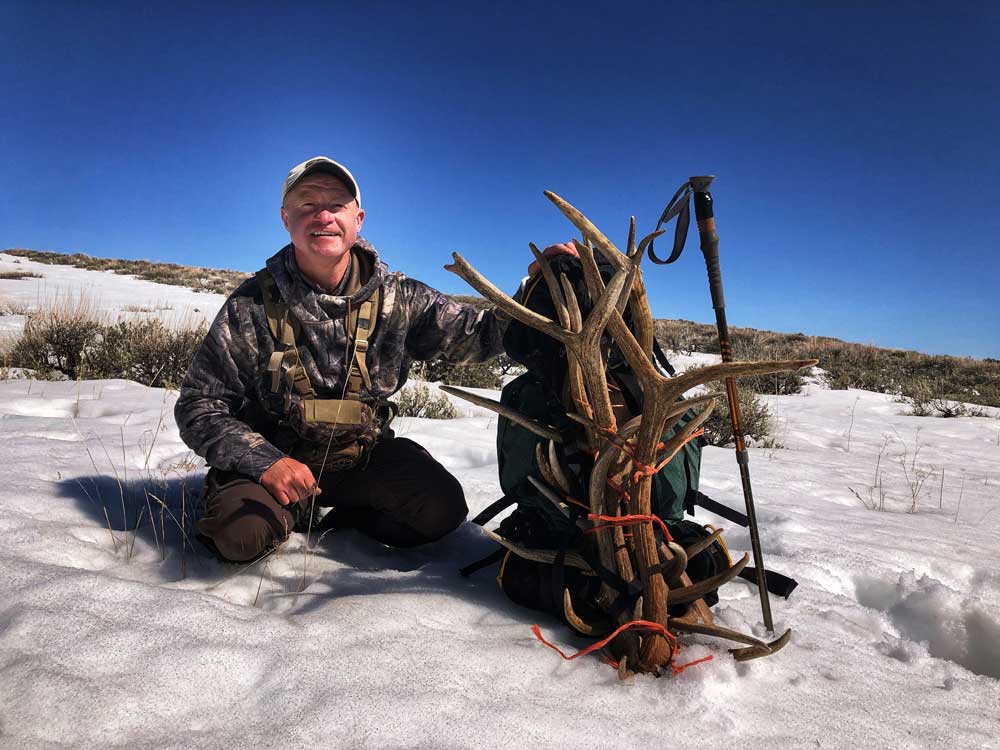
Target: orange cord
[[653, 627], [612, 521]]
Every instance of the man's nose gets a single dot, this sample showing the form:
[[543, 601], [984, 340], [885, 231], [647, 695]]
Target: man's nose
[[325, 215]]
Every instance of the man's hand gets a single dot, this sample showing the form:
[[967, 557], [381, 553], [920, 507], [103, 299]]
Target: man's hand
[[563, 248], [289, 481]]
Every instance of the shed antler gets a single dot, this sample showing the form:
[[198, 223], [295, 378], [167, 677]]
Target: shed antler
[[626, 456]]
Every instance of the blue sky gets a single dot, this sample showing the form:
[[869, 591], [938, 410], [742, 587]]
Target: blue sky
[[855, 143]]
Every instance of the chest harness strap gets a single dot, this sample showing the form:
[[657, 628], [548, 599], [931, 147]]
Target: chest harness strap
[[358, 324]]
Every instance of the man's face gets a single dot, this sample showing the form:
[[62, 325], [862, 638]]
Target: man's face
[[322, 218]]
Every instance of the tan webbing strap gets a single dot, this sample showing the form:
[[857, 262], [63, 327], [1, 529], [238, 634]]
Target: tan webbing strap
[[359, 325], [362, 322]]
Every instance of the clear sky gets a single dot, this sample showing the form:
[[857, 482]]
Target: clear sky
[[856, 144]]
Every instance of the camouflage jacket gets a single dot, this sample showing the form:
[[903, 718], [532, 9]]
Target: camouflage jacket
[[226, 412]]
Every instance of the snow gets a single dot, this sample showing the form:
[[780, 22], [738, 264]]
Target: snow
[[109, 637], [112, 295]]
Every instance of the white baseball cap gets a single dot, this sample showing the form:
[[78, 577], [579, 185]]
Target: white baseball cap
[[321, 164]]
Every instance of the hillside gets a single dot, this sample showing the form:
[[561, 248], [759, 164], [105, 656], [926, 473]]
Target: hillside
[[931, 380]]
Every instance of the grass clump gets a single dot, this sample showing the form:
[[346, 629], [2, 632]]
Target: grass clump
[[14, 275]]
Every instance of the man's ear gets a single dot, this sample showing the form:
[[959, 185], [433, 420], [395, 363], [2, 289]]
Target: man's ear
[[361, 218], [284, 218]]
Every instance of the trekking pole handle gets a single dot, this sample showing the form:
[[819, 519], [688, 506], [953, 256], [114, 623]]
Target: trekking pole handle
[[705, 216]]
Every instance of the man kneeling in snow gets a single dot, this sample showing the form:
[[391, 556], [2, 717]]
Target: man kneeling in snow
[[288, 393]]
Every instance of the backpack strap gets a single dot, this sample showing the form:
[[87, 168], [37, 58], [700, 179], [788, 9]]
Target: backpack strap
[[359, 325]]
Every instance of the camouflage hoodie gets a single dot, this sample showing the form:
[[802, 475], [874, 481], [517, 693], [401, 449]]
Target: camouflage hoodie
[[226, 411]]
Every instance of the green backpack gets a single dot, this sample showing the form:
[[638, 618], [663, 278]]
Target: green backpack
[[516, 454]]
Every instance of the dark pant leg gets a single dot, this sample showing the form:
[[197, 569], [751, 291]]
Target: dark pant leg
[[242, 519], [402, 497]]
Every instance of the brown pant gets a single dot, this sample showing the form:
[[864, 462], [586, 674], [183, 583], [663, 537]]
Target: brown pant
[[401, 497]]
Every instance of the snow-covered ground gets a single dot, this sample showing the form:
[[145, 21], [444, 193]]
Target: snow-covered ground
[[108, 294], [115, 638]]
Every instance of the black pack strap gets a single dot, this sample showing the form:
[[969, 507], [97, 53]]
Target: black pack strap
[[696, 497], [492, 510], [661, 358], [615, 581], [777, 584], [490, 559], [680, 207]]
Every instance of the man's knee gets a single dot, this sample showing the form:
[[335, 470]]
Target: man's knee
[[445, 511], [243, 520]]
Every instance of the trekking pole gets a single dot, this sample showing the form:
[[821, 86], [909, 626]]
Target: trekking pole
[[705, 217]]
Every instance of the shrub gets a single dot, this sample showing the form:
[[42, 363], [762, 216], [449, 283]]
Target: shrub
[[479, 375], [56, 339], [13, 275], [418, 401], [143, 350], [72, 340], [755, 417]]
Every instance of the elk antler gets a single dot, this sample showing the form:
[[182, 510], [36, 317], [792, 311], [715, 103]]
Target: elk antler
[[626, 456]]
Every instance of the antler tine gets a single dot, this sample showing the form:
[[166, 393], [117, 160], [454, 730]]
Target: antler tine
[[674, 554], [598, 630], [554, 290], [573, 559], [616, 556], [635, 354], [641, 250], [481, 284], [631, 237], [592, 275], [575, 375], [547, 478], [587, 228], [680, 407], [716, 630], [557, 470], [686, 594], [585, 347], [755, 652], [532, 425], [678, 439], [703, 544]]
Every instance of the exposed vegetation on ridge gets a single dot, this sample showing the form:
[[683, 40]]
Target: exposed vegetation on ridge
[[199, 279], [932, 384]]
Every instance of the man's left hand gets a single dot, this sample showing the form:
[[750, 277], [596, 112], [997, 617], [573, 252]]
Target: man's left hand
[[563, 248]]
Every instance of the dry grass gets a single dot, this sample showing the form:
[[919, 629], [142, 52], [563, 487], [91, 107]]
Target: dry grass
[[9, 307], [11, 275], [198, 279]]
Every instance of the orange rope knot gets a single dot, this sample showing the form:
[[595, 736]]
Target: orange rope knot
[[646, 625], [648, 471]]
